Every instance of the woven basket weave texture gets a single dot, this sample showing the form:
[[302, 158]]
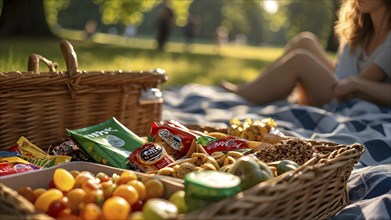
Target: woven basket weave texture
[[40, 106], [315, 190]]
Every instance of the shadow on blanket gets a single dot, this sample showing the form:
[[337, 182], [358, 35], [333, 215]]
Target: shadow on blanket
[[345, 123]]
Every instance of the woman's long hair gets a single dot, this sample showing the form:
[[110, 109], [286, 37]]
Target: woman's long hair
[[354, 27]]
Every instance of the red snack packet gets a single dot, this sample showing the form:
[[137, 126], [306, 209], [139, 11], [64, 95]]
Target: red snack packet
[[149, 157], [227, 144], [7, 168], [174, 138]]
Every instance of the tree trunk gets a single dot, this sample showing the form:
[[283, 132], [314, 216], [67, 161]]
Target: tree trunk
[[24, 18], [332, 42]]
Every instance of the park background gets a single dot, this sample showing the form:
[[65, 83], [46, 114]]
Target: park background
[[124, 36]]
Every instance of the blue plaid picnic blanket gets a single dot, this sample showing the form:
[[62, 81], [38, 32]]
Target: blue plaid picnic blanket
[[355, 121]]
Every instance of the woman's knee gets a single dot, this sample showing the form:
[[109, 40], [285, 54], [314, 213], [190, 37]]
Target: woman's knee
[[300, 56], [305, 40], [307, 36]]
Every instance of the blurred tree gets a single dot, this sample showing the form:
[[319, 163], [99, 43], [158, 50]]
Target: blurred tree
[[244, 18], [26, 17], [238, 16], [78, 13], [39, 17], [130, 12], [332, 41], [211, 16], [313, 16], [275, 23]]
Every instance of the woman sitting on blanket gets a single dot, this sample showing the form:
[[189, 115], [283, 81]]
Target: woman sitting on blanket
[[363, 68]]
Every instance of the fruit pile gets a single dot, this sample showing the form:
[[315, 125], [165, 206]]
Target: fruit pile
[[83, 195]]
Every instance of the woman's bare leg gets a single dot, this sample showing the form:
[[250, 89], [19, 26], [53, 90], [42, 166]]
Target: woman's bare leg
[[278, 81], [310, 42], [305, 41]]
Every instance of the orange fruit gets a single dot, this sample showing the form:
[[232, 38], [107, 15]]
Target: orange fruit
[[91, 211], [126, 176], [42, 203], [154, 188], [140, 187], [129, 193], [38, 192], [129, 173], [75, 199], [116, 208]]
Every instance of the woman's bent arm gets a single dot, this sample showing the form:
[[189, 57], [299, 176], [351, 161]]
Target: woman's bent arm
[[369, 90]]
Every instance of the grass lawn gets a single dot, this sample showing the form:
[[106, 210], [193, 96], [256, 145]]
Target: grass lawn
[[204, 63]]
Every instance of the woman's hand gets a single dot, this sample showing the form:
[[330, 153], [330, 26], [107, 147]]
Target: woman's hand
[[369, 90], [346, 88]]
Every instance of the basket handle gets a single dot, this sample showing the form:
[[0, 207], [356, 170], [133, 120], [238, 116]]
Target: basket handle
[[33, 63], [70, 57]]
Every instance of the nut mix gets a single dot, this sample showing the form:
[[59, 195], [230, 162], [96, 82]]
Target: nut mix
[[290, 149]]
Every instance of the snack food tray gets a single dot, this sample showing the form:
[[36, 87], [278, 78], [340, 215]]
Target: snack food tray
[[41, 178]]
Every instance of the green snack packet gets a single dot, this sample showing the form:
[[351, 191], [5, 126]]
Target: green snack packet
[[108, 143]]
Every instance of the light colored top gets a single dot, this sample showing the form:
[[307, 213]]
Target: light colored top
[[352, 63]]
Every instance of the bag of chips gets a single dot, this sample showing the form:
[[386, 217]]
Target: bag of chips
[[174, 138], [108, 143], [69, 147], [150, 157]]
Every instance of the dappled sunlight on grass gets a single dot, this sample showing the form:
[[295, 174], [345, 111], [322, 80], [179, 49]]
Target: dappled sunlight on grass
[[203, 63], [267, 54]]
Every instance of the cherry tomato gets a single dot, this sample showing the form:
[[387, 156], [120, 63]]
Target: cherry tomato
[[52, 185], [140, 187], [91, 211], [127, 192], [74, 173], [43, 201], [95, 196], [63, 179], [138, 206], [66, 214], [103, 177], [90, 185], [116, 208], [154, 188], [57, 206], [76, 197], [38, 192], [82, 178], [108, 191]]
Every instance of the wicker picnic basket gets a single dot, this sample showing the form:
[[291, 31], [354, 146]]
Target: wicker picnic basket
[[40, 106], [316, 190]]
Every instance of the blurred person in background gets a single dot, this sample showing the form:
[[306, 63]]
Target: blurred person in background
[[221, 36], [362, 69], [189, 30], [90, 28], [165, 22]]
